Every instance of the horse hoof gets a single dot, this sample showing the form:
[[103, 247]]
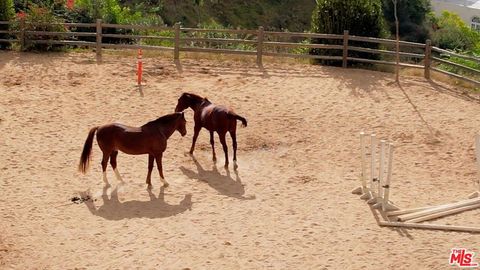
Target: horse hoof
[[149, 186], [166, 185], [235, 166]]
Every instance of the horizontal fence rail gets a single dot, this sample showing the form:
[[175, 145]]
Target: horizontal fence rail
[[343, 49]]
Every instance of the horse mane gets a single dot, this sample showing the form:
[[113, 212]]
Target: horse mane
[[164, 119], [193, 96]]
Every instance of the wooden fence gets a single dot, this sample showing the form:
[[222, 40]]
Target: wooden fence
[[258, 43]]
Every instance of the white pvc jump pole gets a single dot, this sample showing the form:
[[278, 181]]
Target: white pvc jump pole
[[445, 213], [409, 210], [477, 154], [362, 190], [381, 180], [419, 209], [438, 209], [387, 206], [373, 179], [430, 226]]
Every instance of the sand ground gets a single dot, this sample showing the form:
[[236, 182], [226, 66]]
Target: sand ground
[[289, 205]]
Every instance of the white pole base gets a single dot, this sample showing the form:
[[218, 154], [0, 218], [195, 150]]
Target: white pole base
[[358, 191], [378, 205], [373, 200], [367, 195], [386, 207], [474, 195]]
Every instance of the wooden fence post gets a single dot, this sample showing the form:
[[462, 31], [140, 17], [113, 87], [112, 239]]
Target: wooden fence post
[[428, 58], [260, 46], [345, 48], [176, 51], [22, 34], [98, 47]]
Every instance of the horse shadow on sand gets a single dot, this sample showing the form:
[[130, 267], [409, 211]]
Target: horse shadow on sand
[[224, 184], [113, 209]]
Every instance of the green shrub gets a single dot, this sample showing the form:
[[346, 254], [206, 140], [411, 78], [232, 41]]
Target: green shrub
[[42, 19], [450, 32], [360, 17], [219, 35]]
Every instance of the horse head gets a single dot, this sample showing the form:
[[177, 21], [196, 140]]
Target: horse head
[[187, 100], [181, 124]]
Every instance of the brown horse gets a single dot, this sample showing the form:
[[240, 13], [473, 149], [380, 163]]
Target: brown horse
[[214, 118], [150, 139]]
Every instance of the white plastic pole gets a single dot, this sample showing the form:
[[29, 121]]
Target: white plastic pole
[[364, 162], [372, 166], [386, 186], [373, 179], [477, 153], [381, 179], [419, 209], [362, 190], [438, 209], [445, 213], [430, 226], [409, 210]]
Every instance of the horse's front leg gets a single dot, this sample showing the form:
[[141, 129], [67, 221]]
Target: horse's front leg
[[196, 131], [158, 158], [150, 168]]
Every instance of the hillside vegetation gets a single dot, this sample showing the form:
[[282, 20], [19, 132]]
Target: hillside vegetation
[[292, 15]]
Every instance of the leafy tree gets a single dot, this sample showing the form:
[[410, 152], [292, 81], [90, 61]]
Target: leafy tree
[[360, 17], [7, 13], [6, 10], [411, 16]]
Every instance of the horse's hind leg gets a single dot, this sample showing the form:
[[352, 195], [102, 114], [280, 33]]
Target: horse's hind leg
[[113, 162], [233, 134], [213, 146], [150, 168], [104, 167], [224, 144]]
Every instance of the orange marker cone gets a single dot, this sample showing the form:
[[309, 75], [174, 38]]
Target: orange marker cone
[[139, 67]]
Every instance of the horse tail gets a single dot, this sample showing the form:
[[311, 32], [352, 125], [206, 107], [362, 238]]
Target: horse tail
[[87, 150], [238, 117]]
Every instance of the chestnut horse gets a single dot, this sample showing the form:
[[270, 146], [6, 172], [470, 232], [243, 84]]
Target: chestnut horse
[[150, 139], [214, 118]]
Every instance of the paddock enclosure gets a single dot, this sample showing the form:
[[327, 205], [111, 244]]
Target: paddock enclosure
[[289, 206]]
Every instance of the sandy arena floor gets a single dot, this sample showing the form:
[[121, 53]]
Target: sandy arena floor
[[288, 207]]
